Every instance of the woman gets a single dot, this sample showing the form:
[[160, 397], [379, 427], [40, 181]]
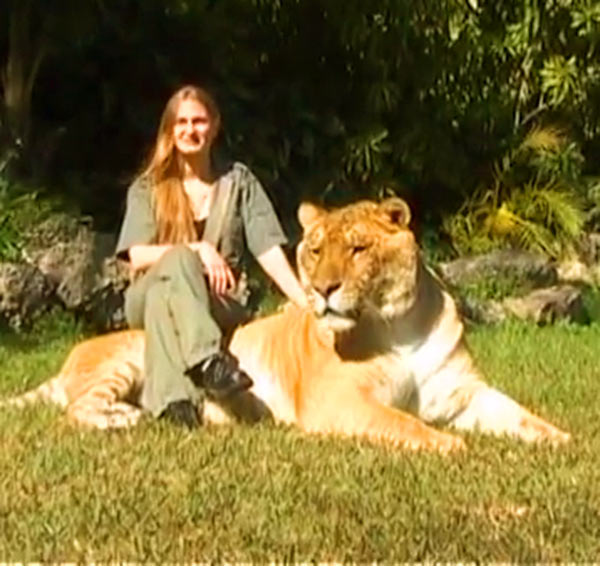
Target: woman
[[188, 228]]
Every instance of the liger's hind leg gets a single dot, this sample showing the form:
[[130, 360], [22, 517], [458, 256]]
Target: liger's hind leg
[[97, 411], [111, 402]]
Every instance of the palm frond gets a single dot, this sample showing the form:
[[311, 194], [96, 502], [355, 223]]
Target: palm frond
[[564, 210], [535, 200], [546, 138], [536, 237]]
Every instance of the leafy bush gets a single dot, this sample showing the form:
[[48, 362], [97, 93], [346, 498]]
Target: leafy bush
[[325, 100], [536, 200], [21, 208], [497, 287], [593, 211], [591, 303]]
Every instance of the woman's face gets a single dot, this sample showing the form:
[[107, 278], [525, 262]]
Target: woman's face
[[194, 129]]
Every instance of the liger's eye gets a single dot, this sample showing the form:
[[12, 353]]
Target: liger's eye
[[358, 249], [315, 251]]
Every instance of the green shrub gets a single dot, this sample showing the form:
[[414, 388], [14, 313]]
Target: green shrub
[[536, 200], [21, 208], [591, 303], [495, 287]]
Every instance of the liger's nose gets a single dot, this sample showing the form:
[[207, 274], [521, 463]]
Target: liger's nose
[[327, 288]]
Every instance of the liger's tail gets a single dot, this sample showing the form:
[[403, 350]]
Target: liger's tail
[[51, 391]]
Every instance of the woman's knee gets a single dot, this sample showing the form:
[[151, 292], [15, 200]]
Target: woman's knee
[[180, 258], [183, 269], [180, 253]]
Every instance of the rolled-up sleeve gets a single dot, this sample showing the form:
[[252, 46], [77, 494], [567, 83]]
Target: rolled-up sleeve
[[139, 224], [261, 225]]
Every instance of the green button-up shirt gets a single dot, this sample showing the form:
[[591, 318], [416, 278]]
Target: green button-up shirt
[[241, 219]]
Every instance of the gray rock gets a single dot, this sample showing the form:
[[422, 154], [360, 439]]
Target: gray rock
[[576, 271], [67, 263], [63, 250], [484, 312], [590, 248], [542, 306], [24, 293], [104, 305], [524, 265]]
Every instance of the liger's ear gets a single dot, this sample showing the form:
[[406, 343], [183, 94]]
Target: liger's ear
[[397, 211], [308, 214]]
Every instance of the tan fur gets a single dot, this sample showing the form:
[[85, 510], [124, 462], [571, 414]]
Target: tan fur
[[368, 283], [380, 355], [302, 380], [99, 382]]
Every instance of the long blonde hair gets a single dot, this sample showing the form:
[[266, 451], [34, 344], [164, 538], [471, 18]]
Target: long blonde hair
[[171, 204]]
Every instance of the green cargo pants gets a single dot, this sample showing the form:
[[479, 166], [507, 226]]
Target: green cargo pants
[[183, 325]]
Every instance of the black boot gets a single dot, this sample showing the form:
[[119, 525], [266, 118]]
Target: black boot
[[183, 413], [220, 376]]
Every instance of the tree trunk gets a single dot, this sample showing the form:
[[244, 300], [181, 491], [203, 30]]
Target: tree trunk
[[18, 76]]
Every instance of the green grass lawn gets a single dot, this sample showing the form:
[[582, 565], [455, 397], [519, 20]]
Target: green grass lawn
[[266, 493]]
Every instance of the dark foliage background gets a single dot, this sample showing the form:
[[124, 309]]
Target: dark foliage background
[[325, 99]]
